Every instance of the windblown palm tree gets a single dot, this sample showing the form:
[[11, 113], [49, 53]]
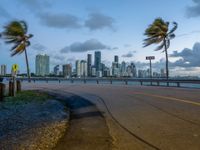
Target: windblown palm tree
[[159, 33], [16, 33]]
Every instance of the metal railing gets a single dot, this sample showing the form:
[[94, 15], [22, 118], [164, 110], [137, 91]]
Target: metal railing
[[126, 81]]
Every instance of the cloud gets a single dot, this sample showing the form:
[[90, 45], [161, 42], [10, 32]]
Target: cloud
[[187, 57], [98, 21], [59, 20], [129, 54], [59, 57], [38, 47], [115, 48], [4, 13], [36, 5], [89, 45], [193, 11], [127, 45]]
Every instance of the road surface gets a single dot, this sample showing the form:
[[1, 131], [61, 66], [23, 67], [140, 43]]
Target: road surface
[[142, 117]]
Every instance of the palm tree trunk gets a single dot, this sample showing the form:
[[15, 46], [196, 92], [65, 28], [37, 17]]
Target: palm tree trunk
[[167, 61], [27, 66]]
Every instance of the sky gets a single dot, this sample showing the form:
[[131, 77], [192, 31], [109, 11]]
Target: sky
[[68, 30]]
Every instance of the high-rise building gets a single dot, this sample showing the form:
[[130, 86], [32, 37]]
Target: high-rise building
[[115, 69], [83, 68], [116, 59], [3, 70], [78, 68], [67, 70], [123, 69], [42, 65], [162, 73], [89, 65], [56, 70], [93, 71], [97, 60], [133, 70]]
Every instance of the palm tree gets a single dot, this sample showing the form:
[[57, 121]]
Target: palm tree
[[16, 33], [159, 33]]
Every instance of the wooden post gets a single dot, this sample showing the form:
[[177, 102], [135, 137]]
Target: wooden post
[[19, 86], [2, 91], [72, 81], [178, 84], [167, 83], [11, 89]]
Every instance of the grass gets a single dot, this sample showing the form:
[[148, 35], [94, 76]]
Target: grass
[[26, 97]]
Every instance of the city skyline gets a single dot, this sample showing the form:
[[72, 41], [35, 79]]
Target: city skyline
[[91, 26]]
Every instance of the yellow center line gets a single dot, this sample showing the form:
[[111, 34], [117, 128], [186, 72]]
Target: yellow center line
[[168, 98]]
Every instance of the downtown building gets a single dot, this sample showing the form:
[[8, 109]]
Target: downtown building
[[42, 65], [81, 68], [56, 70], [89, 65], [3, 70], [67, 70]]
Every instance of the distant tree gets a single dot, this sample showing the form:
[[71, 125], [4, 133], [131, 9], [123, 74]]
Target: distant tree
[[159, 33], [16, 33]]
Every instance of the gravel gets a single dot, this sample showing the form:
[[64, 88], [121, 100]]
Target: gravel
[[31, 126]]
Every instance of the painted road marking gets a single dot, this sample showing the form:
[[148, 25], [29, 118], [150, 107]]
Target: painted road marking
[[168, 98]]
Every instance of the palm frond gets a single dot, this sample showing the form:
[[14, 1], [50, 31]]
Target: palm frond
[[171, 36], [174, 28], [28, 43], [25, 26], [160, 46], [19, 49]]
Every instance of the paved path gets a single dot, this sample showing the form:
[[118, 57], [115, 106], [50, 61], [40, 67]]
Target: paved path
[[144, 117]]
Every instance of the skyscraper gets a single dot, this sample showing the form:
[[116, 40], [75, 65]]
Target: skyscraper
[[116, 59], [42, 65], [97, 60], [56, 70], [83, 68], [89, 65], [123, 69], [133, 70], [3, 70], [78, 68], [67, 70]]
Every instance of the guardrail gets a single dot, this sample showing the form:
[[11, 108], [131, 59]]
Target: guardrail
[[126, 81]]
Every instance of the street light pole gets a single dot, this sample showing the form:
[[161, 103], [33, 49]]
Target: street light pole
[[150, 71]]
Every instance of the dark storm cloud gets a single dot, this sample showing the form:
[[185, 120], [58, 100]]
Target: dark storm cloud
[[194, 11], [98, 21], [59, 20], [88, 45], [188, 57], [129, 54]]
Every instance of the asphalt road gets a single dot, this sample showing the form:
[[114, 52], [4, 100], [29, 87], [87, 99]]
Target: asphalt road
[[141, 117]]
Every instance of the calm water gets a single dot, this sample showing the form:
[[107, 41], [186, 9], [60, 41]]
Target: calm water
[[67, 82]]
